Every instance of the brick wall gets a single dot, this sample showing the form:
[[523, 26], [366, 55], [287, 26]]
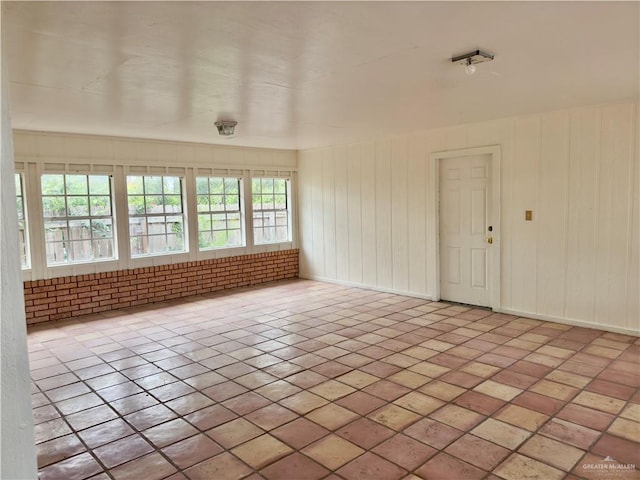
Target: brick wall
[[65, 297]]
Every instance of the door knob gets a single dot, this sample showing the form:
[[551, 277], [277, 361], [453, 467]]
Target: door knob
[[490, 240]]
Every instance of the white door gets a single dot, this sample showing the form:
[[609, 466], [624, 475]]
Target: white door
[[465, 229]]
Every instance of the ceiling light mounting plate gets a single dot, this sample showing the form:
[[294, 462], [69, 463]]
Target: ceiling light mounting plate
[[471, 58]]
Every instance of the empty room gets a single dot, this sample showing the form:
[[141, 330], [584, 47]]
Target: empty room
[[320, 240]]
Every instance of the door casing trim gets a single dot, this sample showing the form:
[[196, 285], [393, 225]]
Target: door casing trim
[[433, 234]]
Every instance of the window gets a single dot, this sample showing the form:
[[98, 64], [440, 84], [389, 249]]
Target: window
[[156, 215], [270, 210], [219, 214], [78, 219], [22, 223]]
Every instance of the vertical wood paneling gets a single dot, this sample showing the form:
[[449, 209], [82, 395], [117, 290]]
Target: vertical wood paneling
[[416, 217], [612, 237], [384, 258], [305, 206], [633, 275], [525, 197], [354, 176], [583, 165], [342, 214], [317, 215], [576, 169], [510, 217], [329, 213], [369, 216], [551, 240], [399, 215]]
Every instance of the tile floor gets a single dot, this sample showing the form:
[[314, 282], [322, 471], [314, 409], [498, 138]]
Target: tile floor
[[303, 380]]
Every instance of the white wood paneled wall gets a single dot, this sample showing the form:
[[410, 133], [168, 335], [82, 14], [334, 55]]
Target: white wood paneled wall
[[364, 213]]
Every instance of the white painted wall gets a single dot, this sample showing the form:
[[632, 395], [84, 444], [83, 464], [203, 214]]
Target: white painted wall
[[365, 213], [18, 453]]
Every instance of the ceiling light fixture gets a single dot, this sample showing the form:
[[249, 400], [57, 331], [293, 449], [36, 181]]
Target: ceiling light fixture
[[226, 128], [469, 60]]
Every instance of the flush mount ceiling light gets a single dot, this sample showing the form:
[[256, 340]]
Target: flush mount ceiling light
[[226, 127], [469, 60]]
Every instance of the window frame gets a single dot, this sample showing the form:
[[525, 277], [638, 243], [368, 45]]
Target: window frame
[[183, 213], [288, 209], [23, 222], [240, 211], [89, 217]]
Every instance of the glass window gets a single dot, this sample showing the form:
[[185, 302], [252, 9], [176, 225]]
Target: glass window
[[156, 215], [78, 218], [270, 198], [219, 212], [22, 223]]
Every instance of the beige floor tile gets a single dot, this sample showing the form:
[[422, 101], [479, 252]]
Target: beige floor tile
[[261, 451], [599, 402], [437, 345], [333, 451], [457, 417], [554, 390], [632, 412], [442, 390], [357, 379], [303, 402], [518, 467], [394, 417], [498, 390], [420, 353], [234, 432], [224, 466], [332, 390], [522, 417], [602, 351], [550, 451], [429, 369], [567, 378], [624, 428], [501, 433], [331, 416], [480, 369], [419, 403], [555, 351], [409, 379]]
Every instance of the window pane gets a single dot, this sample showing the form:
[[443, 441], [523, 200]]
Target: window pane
[[270, 210], [171, 185], [99, 185], [79, 230], [136, 204], [70, 226], [214, 228], [76, 184], [100, 206], [153, 203], [135, 185], [172, 204], [202, 185], [231, 185], [152, 185], [203, 203], [52, 184], [103, 248], [78, 206], [256, 185]]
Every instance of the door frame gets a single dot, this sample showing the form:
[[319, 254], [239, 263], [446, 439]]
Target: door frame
[[433, 234]]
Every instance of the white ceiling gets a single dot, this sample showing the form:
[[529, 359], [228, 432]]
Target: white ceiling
[[303, 74]]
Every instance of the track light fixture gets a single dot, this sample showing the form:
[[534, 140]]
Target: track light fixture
[[469, 60]]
